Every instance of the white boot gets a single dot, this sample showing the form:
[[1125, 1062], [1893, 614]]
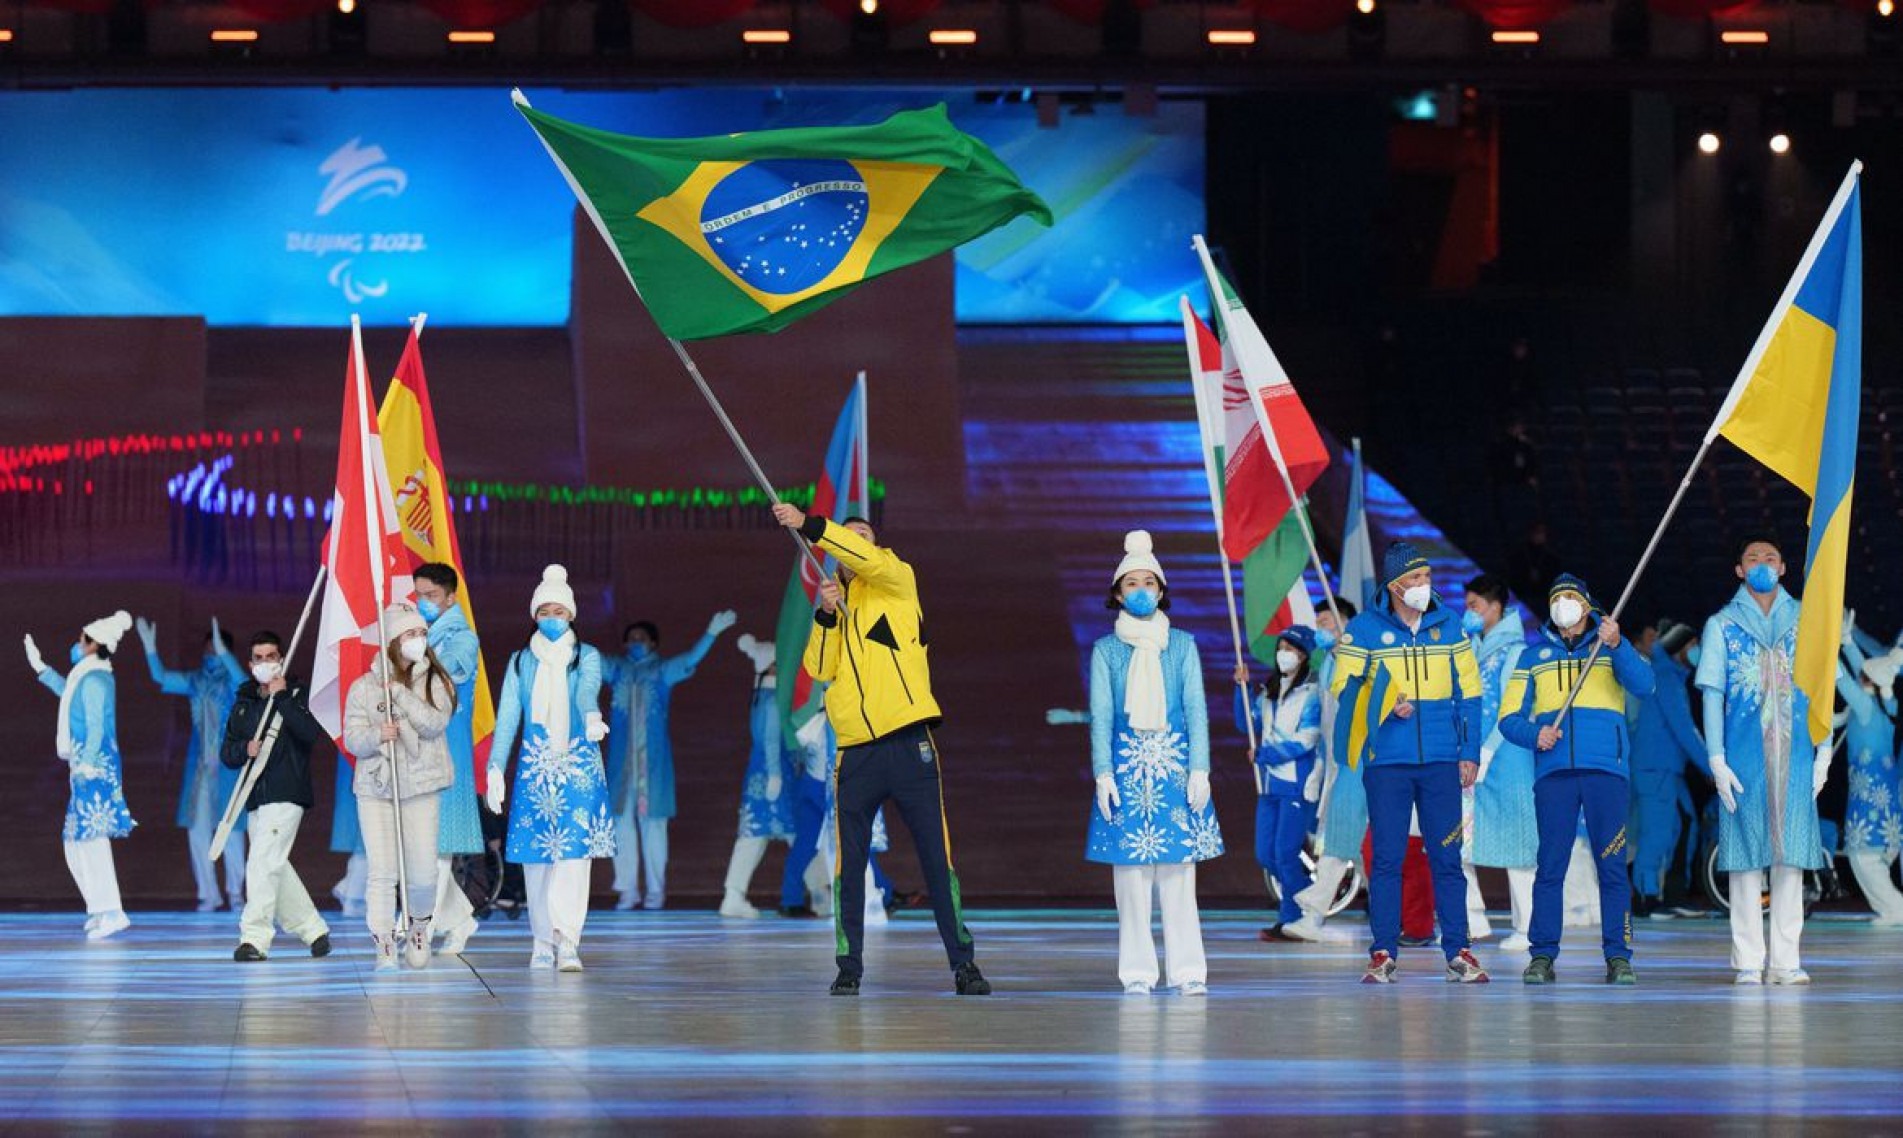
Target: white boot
[[875, 901], [567, 955], [747, 853], [457, 938], [543, 956], [109, 924], [386, 953], [416, 952], [737, 905]]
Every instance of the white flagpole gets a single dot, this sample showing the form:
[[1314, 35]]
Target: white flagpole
[[254, 767], [1296, 503], [680, 350], [1210, 427], [373, 530]]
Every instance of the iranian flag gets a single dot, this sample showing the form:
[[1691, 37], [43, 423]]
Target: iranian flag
[[368, 567], [1264, 430], [842, 491]]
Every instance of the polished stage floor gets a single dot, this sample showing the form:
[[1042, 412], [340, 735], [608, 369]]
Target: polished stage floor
[[685, 1022]]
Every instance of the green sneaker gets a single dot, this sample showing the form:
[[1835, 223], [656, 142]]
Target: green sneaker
[[1539, 971], [1619, 971]]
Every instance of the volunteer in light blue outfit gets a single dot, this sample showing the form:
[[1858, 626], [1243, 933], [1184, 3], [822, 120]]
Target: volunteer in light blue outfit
[[1149, 752], [208, 783], [641, 757], [1410, 707], [1288, 723], [1664, 742], [87, 741], [459, 828], [765, 806], [1582, 763], [1873, 823], [807, 876], [1505, 835], [1767, 770], [559, 820], [1343, 820]]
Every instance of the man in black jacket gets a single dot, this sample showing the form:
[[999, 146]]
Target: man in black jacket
[[274, 895]]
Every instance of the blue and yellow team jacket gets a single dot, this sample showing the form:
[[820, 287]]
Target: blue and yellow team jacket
[[1594, 734], [1380, 662]]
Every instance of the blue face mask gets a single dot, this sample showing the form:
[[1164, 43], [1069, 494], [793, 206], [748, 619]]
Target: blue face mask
[[639, 652], [1761, 577], [77, 653], [1693, 655], [1141, 602], [1324, 640], [553, 627], [1472, 624], [429, 610]]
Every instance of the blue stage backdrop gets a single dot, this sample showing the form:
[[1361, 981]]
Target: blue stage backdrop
[[297, 207]]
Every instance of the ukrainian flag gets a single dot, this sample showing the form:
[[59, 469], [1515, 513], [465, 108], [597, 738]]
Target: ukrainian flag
[[1795, 409], [1374, 701], [750, 232]]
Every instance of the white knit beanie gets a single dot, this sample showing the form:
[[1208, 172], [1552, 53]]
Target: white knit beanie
[[1137, 555], [108, 630], [400, 618], [761, 652], [554, 587]]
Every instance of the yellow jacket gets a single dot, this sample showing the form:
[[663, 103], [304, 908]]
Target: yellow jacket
[[872, 651]]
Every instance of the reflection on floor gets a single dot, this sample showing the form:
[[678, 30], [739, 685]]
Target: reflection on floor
[[693, 1023]]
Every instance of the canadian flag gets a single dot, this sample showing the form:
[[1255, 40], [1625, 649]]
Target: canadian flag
[[365, 562]]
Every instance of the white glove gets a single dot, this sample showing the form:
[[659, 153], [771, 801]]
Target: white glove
[[149, 635], [1107, 797], [497, 791], [1820, 768], [1198, 790], [1312, 789], [721, 622], [773, 788], [1486, 762], [33, 658], [1729, 788], [593, 728]]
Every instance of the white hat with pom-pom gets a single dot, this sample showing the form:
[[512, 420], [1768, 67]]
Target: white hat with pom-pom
[[1137, 555], [107, 631], [554, 588]]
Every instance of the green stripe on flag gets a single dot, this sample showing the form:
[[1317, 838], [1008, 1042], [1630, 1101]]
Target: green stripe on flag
[[1268, 573]]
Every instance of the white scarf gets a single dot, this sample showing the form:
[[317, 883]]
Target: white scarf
[[548, 703], [63, 744], [1144, 699]]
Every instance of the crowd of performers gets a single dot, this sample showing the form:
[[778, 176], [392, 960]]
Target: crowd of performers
[[1419, 741]]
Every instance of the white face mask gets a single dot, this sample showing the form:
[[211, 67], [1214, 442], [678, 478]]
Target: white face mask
[[1418, 597], [1288, 660], [265, 672], [414, 649], [1567, 612]]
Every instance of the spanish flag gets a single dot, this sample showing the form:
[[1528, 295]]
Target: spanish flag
[[1795, 409], [414, 459]]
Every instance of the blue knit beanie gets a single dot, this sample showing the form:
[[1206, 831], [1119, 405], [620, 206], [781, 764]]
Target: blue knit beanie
[[1567, 583], [1400, 560]]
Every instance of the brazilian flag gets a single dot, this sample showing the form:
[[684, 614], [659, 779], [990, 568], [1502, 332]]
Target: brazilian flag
[[750, 232]]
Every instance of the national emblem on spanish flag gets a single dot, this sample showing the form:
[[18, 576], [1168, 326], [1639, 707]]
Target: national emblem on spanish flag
[[414, 459]]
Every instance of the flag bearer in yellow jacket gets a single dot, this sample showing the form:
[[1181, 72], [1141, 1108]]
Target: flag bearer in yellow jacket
[[1583, 762], [869, 646], [1410, 719]]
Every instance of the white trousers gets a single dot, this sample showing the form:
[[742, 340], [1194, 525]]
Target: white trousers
[[1478, 926], [1747, 918], [356, 872], [452, 904], [377, 816], [1329, 873], [1175, 889], [91, 865], [558, 901], [277, 898], [635, 838], [204, 872], [1872, 870], [747, 855], [1520, 897]]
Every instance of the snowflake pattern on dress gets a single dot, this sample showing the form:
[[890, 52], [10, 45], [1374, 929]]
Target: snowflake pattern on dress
[[1145, 844], [1152, 756], [1153, 825], [1205, 837], [560, 802], [597, 832]]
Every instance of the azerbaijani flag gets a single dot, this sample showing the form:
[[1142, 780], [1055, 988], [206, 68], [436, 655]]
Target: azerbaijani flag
[[1795, 408], [1293, 443], [750, 232], [842, 491], [414, 457]]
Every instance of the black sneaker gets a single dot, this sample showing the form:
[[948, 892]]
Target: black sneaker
[[1619, 971], [970, 981], [320, 947], [845, 985], [1538, 971], [247, 954]]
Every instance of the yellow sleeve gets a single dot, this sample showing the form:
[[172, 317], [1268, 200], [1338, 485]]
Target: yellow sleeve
[[821, 659], [880, 568], [1467, 670]]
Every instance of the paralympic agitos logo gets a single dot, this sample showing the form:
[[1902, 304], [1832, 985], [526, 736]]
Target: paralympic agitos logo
[[356, 174]]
